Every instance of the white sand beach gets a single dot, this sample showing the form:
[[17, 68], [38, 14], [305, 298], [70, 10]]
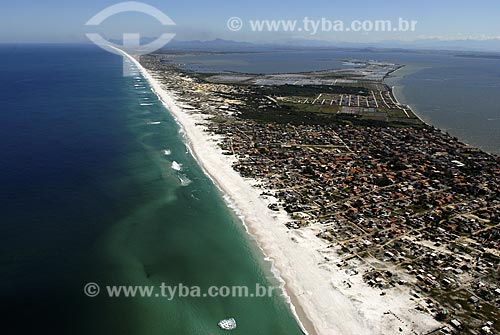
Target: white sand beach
[[326, 299]]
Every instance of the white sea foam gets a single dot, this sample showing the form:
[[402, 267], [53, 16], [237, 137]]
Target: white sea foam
[[185, 181], [176, 166]]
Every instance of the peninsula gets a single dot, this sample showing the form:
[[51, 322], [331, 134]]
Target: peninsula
[[377, 222]]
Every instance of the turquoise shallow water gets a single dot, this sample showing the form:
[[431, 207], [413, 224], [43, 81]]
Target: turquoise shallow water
[[183, 235], [89, 196]]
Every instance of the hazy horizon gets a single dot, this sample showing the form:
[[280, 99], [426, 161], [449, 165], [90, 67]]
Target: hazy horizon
[[57, 21]]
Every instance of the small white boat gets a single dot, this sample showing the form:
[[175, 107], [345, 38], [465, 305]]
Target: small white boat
[[227, 324]]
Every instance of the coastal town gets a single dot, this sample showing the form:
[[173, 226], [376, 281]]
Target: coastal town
[[394, 201]]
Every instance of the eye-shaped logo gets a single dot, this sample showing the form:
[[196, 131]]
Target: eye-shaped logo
[[131, 41]]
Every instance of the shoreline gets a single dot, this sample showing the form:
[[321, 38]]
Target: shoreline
[[414, 110], [398, 99], [169, 103], [314, 286]]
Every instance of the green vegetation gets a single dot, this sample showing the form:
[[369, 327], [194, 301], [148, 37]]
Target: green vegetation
[[307, 108]]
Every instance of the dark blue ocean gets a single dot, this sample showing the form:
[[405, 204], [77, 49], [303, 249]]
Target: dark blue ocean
[[88, 194]]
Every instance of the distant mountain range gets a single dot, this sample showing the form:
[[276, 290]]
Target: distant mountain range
[[491, 45], [221, 45]]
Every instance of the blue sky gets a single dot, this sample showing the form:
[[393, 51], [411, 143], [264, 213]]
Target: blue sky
[[63, 20]]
